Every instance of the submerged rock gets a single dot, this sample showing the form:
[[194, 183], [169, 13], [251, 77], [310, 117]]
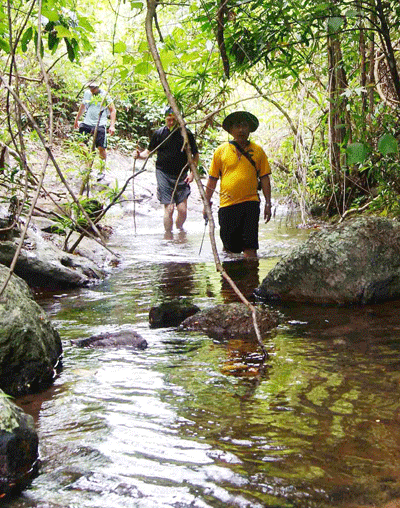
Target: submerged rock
[[18, 449], [232, 320], [122, 338], [30, 348], [353, 262], [171, 313]]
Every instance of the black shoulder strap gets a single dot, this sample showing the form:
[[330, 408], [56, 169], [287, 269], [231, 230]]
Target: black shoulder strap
[[243, 152]]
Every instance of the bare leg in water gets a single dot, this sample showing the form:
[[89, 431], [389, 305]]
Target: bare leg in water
[[168, 219], [182, 214]]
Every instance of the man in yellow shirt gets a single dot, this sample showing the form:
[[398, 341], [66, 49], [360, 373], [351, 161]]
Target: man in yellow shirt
[[240, 164]]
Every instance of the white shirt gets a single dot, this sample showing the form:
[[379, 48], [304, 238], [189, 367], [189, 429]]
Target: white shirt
[[92, 104]]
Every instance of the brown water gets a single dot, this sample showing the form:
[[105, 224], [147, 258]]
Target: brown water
[[191, 422]]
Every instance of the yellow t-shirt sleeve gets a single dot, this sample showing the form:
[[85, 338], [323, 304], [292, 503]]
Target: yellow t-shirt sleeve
[[216, 164], [263, 165]]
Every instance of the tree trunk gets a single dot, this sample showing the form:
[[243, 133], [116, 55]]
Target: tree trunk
[[339, 121], [336, 85], [363, 64], [389, 52]]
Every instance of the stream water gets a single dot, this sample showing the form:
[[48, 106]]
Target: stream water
[[191, 422]]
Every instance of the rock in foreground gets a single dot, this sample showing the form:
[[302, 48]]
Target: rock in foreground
[[122, 338], [356, 262], [18, 448], [232, 320], [171, 313], [42, 264], [30, 348]]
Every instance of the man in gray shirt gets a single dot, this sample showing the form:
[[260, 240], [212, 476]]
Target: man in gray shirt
[[97, 106]]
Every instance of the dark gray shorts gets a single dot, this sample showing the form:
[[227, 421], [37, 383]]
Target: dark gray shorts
[[101, 138], [165, 189]]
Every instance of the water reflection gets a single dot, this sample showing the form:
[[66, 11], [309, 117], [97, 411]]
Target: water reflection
[[174, 280], [245, 274]]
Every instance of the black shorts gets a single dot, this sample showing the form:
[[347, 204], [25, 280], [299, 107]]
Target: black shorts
[[166, 191], [101, 138], [239, 226]]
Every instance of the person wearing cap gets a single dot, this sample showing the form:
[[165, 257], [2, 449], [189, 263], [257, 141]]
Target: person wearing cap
[[240, 164], [172, 169], [97, 106]]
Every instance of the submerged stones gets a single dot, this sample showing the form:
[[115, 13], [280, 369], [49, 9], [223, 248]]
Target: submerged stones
[[171, 313], [122, 338], [231, 320], [224, 321], [356, 262]]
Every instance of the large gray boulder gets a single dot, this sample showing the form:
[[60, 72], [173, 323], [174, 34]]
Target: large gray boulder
[[18, 449], [42, 264], [355, 262], [229, 321], [30, 348]]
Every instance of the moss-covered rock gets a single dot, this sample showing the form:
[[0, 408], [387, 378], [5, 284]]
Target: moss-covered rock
[[353, 262], [30, 348], [230, 320], [18, 448]]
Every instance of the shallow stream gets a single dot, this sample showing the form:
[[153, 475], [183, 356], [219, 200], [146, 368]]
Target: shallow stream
[[190, 422]]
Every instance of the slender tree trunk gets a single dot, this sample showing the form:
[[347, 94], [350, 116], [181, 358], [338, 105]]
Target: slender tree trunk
[[363, 64], [339, 120], [336, 106], [220, 36], [371, 72], [389, 52]]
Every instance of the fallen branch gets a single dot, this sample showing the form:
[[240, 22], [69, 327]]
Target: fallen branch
[[356, 210]]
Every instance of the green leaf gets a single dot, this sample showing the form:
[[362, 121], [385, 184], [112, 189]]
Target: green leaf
[[84, 23], [357, 153], [143, 68], [120, 47], [53, 41], [26, 38], [4, 45], [137, 5], [335, 24], [123, 72], [72, 49], [388, 144], [351, 13], [51, 15], [322, 7], [85, 44], [62, 31], [128, 59]]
